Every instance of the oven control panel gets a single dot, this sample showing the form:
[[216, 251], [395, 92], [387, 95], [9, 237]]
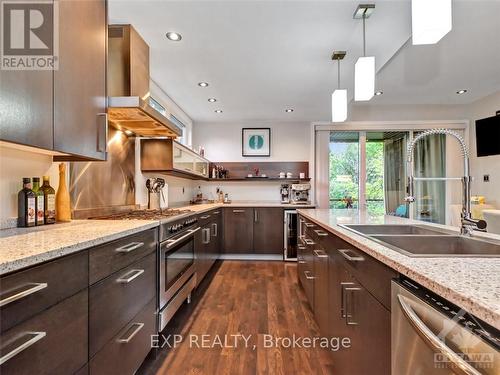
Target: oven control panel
[[178, 226]]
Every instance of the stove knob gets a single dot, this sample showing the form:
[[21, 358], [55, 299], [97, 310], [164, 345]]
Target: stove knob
[[171, 229]]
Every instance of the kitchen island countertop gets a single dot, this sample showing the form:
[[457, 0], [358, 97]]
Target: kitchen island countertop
[[471, 283]]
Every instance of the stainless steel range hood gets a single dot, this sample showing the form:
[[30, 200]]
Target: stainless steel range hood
[[128, 86]]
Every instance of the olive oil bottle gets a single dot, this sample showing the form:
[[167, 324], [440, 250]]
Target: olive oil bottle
[[49, 201], [39, 202], [26, 205]]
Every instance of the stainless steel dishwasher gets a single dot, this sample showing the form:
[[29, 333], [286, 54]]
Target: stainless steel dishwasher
[[432, 336]]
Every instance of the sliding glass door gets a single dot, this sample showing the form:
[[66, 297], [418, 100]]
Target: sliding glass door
[[368, 170]]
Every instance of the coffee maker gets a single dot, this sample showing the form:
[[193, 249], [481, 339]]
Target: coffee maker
[[285, 193], [300, 193]]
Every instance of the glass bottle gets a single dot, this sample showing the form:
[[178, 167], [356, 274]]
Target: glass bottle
[[49, 201], [26, 206], [39, 202]]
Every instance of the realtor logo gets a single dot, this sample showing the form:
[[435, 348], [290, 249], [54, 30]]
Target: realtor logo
[[29, 35]]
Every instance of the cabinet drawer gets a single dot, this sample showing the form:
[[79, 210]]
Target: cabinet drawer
[[55, 340], [205, 217], [26, 293], [124, 353], [118, 298], [373, 275], [113, 256]]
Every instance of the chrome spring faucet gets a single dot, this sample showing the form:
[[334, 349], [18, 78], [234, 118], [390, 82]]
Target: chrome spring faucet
[[468, 224]]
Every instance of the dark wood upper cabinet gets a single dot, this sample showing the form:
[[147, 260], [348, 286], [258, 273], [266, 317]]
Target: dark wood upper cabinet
[[80, 124], [26, 107], [238, 230], [63, 110], [268, 230]]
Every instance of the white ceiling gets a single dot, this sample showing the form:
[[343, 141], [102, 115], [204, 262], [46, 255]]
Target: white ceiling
[[261, 57]]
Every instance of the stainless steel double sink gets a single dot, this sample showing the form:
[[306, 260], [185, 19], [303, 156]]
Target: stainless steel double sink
[[425, 241]]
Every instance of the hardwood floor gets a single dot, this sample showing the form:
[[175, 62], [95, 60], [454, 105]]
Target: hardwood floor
[[251, 298]]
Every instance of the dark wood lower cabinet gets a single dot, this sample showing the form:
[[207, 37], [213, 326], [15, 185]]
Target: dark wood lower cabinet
[[124, 353], [62, 345], [268, 230], [119, 297], [238, 230], [249, 230], [349, 300]]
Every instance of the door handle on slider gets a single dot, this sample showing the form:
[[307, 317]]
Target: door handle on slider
[[37, 336], [134, 332], [125, 279], [320, 254], [129, 247], [356, 258], [35, 288]]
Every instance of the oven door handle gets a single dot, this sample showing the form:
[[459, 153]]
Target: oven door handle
[[171, 243], [461, 366]]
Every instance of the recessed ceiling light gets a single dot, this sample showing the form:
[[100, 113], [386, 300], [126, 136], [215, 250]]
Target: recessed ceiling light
[[174, 37], [461, 92], [218, 111], [212, 100], [378, 93], [289, 110], [202, 84]]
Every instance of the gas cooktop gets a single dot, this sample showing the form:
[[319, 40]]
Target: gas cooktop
[[143, 214]]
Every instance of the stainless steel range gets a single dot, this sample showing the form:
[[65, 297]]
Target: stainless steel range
[[176, 268], [176, 257]]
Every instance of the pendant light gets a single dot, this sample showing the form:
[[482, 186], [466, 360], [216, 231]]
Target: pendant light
[[364, 70], [339, 96], [430, 20]]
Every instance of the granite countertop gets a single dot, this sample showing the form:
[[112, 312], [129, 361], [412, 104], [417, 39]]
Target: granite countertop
[[471, 283], [25, 247]]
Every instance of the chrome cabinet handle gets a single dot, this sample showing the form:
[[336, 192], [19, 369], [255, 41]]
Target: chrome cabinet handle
[[205, 217], [320, 233], [320, 253], [214, 230], [35, 288], [430, 338], [171, 243], [308, 241], [255, 216], [349, 314], [129, 247], [343, 313], [309, 225], [238, 211], [102, 140], [216, 212], [308, 275], [300, 260], [301, 247], [131, 336], [37, 336], [357, 258], [206, 236], [129, 276]]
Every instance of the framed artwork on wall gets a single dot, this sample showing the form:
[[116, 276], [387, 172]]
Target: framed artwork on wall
[[256, 142]]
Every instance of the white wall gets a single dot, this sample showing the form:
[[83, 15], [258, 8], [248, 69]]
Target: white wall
[[15, 164], [222, 142], [490, 165]]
